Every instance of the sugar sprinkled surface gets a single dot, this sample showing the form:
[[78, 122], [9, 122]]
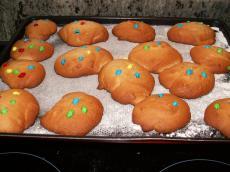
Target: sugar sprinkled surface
[[117, 118]]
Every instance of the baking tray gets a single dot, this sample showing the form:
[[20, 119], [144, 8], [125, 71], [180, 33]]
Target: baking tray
[[61, 20]]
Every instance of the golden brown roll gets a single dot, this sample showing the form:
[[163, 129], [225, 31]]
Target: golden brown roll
[[193, 33], [217, 115], [82, 61], [134, 31], [31, 49], [18, 110], [187, 80], [127, 82], [155, 56], [83, 32], [164, 113], [75, 114], [216, 59]]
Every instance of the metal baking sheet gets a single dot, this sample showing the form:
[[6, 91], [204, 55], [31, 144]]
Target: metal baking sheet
[[117, 119]]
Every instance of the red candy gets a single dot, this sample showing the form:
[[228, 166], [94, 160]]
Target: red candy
[[21, 50], [81, 23], [35, 24], [21, 75], [4, 65]]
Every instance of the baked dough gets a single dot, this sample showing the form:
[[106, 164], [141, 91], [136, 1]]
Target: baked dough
[[187, 80], [193, 33], [216, 59], [127, 82], [155, 56], [18, 110], [83, 32], [217, 115], [22, 73], [31, 49], [134, 31], [164, 113], [82, 61], [75, 114]]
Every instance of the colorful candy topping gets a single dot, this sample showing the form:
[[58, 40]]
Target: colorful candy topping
[[204, 74], [161, 95], [22, 75], [77, 31], [84, 109], [35, 24], [63, 61], [228, 68], [189, 71], [146, 47], [219, 50], [16, 72], [137, 75], [207, 46], [118, 72], [80, 58], [21, 50], [188, 21], [31, 46], [83, 46], [130, 66], [4, 111], [31, 67], [135, 26], [98, 49], [75, 101], [4, 65], [14, 49], [217, 106], [41, 48], [82, 22], [88, 52], [12, 101], [158, 43], [16, 93], [8, 71], [70, 113], [180, 25], [175, 103]]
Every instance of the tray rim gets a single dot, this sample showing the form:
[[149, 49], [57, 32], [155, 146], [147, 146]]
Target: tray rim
[[108, 139]]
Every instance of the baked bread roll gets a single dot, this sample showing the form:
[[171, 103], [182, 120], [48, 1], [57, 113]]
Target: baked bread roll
[[193, 33], [41, 29], [22, 73], [31, 49], [155, 56], [187, 80], [18, 110], [216, 59], [83, 32], [134, 31], [164, 113], [127, 82], [75, 114], [217, 115], [82, 61]]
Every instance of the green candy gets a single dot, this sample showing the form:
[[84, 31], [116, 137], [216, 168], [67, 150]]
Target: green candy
[[146, 47], [42, 48], [70, 113], [4, 111], [12, 102], [228, 68], [219, 50], [84, 109], [217, 106], [31, 46], [16, 72]]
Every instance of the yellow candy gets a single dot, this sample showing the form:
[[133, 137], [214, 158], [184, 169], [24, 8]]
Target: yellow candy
[[130, 66], [14, 48], [88, 52], [16, 93], [8, 71]]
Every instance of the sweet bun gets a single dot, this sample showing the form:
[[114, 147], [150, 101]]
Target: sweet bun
[[83, 32], [22, 73], [193, 33], [216, 59], [127, 82], [187, 80], [164, 113], [75, 114], [41, 29], [82, 61], [31, 49], [155, 56], [18, 110], [134, 31], [217, 115]]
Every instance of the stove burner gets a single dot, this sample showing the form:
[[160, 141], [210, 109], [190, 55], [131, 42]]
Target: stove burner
[[198, 165], [22, 161]]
